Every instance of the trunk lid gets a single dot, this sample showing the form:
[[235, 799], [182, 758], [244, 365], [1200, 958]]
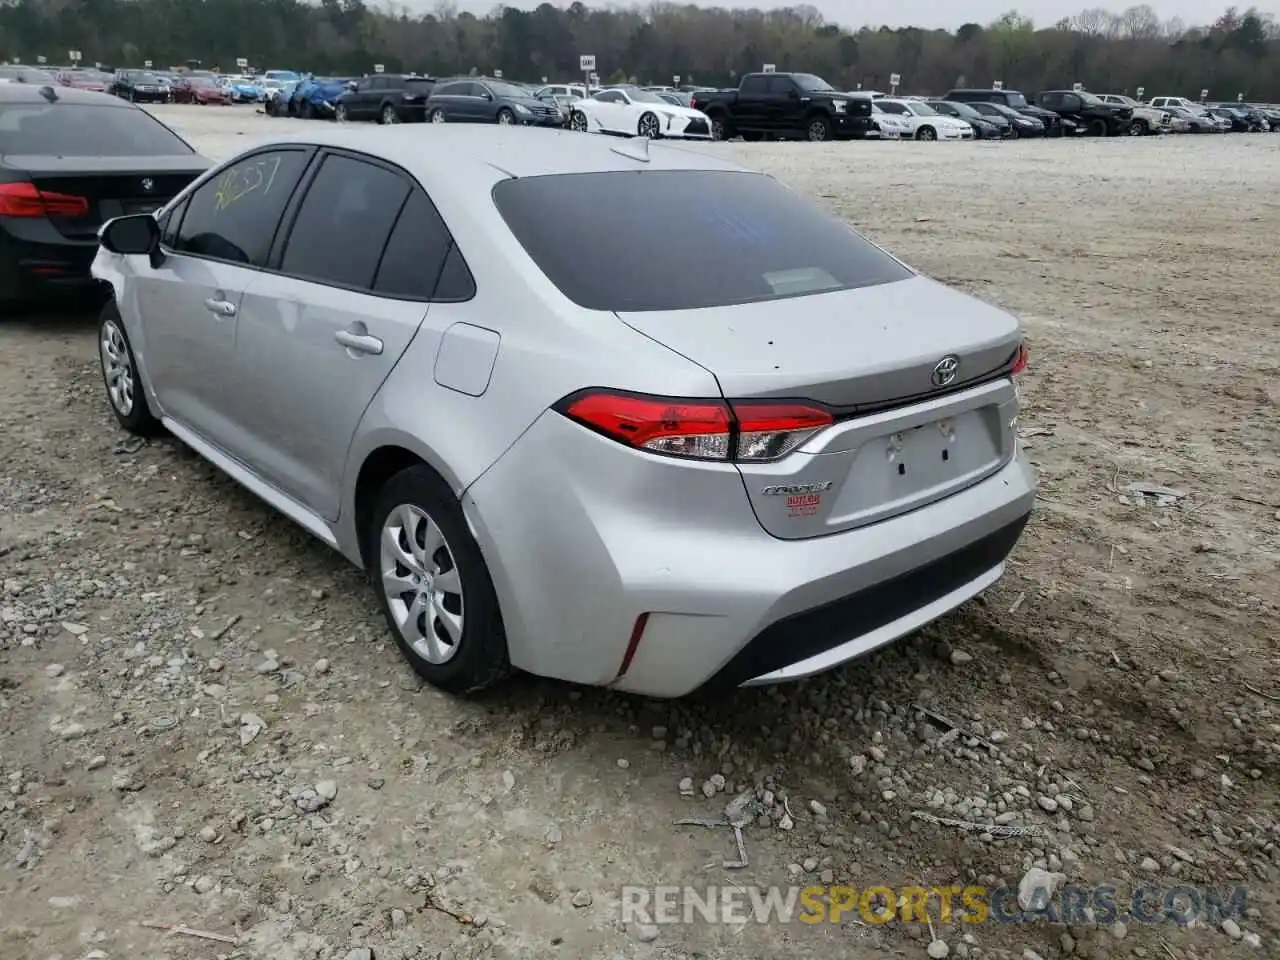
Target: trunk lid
[[114, 186], [902, 439]]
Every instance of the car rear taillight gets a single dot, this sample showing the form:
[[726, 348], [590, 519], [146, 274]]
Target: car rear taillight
[[28, 200], [741, 430], [1020, 362]]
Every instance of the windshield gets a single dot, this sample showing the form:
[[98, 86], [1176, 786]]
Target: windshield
[[1090, 99], [81, 130], [807, 81], [145, 78], [922, 109], [961, 110], [201, 82], [753, 238], [1015, 100]]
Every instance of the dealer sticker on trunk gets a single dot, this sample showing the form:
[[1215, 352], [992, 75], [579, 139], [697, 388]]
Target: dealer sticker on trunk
[[803, 499]]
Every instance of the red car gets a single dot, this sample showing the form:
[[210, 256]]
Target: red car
[[84, 80], [201, 90]]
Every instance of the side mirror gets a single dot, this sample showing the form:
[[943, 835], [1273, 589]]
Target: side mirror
[[487, 95], [134, 235]]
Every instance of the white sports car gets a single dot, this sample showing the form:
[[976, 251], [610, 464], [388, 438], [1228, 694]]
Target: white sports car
[[633, 112]]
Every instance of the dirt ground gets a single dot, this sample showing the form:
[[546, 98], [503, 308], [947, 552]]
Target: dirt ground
[[180, 668]]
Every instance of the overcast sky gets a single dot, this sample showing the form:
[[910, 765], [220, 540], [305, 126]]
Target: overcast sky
[[936, 13]]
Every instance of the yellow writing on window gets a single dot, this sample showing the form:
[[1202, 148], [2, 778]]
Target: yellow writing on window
[[253, 176]]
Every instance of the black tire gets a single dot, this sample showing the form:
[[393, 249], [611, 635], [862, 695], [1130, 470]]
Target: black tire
[[1098, 128], [926, 133], [818, 129], [481, 658], [137, 418], [388, 115], [721, 127], [307, 111], [437, 116], [648, 121], [1139, 128], [506, 117], [578, 121], [340, 113]]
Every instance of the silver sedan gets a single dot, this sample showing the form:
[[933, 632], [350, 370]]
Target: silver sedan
[[613, 412]]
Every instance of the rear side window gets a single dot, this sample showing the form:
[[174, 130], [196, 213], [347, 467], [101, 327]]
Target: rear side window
[[83, 130], [343, 223], [420, 261], [608, 240], [234, 215]]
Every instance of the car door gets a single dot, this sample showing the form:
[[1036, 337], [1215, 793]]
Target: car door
[[612, 109], [214, 244], [781, 107], [360, 102], [316, 340]]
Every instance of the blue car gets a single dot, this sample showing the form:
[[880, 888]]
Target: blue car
[[316, 97], [245, 91]]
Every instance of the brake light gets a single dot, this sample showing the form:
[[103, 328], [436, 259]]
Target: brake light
[[751, 431], [1021, 361], [28, 200]]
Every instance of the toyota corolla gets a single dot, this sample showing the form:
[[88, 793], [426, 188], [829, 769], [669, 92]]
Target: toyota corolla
[[550, 450]]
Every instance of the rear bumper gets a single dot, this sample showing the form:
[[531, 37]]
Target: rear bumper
[[31, 268], [584, 536]]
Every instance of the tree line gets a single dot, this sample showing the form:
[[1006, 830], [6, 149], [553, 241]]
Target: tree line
[[1239, 53]]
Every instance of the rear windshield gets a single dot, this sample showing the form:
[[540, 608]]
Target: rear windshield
[[684, 239], [81, 130]]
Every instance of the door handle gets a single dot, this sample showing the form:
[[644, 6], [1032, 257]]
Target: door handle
[[223, 308], [359, 342]]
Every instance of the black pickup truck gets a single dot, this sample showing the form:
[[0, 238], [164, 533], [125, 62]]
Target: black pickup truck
[[790, 105], [1097, 117]]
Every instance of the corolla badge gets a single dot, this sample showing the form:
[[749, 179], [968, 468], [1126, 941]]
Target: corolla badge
[[944, 371], [791, 489], [148, 185]]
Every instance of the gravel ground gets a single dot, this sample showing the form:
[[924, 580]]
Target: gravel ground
[[204, 721]]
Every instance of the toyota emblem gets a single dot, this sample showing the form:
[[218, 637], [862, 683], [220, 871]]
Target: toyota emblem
[[148, 185], [944, 371]]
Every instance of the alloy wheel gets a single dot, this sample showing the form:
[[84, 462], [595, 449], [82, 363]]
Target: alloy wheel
[[817, 131], [578, 121], [649, 126], [437, 116], [117, 368], [422, 583], [505, 117], [389, 114]]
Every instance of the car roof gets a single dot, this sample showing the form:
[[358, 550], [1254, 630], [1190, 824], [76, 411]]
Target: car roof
[[31, 93], [514, 151]]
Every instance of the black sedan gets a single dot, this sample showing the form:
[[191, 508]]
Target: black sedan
[[69, 161], [1021, 124], [985, 127], [139, 86]]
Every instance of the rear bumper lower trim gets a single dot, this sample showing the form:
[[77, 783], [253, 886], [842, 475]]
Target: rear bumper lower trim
[[818, 639]]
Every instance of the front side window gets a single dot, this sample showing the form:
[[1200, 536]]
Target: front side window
[[344, 222], [234, 215], [753, 238], [65, 129]]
